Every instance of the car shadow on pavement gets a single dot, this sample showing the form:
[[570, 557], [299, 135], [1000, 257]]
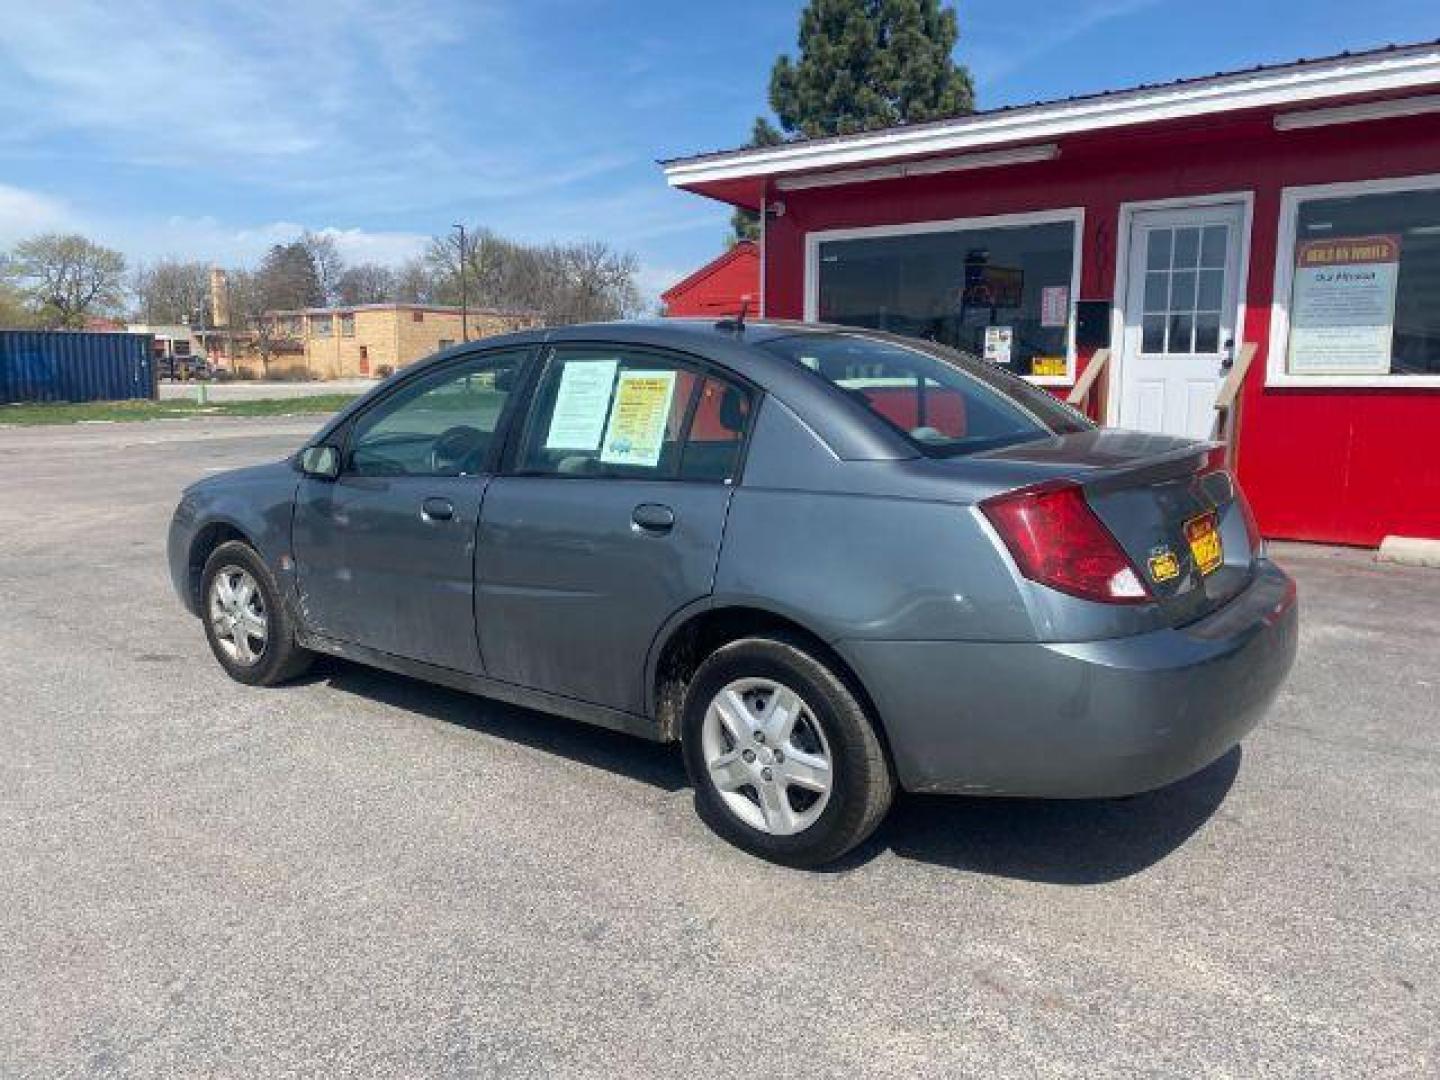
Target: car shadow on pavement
[[1056, 841], [650, 763]]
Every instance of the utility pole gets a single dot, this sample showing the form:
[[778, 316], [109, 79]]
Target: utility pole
[[464, 295]]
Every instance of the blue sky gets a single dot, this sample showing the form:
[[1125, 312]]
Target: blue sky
[[213, 129]]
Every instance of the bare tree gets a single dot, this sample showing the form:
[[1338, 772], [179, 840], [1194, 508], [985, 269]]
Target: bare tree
[[563, 283], [247, 313], [366, 283], [415, 282], [67, 277], [329, 266], [171, 291]]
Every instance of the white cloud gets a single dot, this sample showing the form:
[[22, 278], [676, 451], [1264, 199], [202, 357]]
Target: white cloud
[[24, 213]]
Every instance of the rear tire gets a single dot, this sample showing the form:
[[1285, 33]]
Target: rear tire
[[785, 762], [248, 626]]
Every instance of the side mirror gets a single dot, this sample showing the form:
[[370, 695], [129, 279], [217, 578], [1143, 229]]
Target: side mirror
[[321, 462]]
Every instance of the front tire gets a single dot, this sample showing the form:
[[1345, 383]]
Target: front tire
[[248, 626], [785, 762]]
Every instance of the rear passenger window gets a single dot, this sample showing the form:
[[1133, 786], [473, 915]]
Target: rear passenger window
[[717, 432], [619, 413]]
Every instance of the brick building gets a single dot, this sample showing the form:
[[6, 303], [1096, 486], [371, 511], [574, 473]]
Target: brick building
[[366, 339]]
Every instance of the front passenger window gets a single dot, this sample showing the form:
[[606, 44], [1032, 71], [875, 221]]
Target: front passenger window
[[441, 424]]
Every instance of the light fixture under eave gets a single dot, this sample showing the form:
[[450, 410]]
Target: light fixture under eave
[[1354, 114], [988, 159]]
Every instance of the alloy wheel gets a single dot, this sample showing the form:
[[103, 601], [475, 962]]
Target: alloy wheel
[[767, 755], [238, 616]]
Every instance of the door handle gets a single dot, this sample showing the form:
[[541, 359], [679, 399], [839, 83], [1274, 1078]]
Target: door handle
[[653, 518], [437, 509]]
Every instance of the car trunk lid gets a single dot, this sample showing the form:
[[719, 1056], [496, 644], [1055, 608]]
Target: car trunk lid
[[1169, 503]]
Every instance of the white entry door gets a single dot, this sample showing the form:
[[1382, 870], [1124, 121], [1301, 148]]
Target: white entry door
[[1180, 311]]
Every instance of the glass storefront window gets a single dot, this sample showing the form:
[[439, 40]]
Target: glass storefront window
[[1364, 290], [1003, 292]]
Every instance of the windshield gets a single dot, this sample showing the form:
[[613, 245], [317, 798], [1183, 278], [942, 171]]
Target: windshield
[[944, 402]]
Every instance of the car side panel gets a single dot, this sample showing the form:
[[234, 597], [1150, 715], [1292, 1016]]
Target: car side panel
[[858, 565]]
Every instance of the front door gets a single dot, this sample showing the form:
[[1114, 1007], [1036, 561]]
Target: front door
[[385, 552], [609, 522], [1180, 316]]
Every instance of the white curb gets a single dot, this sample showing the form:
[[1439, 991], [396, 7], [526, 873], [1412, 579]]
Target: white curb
[[1409, 551]]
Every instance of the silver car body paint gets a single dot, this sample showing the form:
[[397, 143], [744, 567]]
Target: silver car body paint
[[544, 593]]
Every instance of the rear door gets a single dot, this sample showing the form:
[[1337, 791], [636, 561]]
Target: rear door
[[386, 551], [609, 519]]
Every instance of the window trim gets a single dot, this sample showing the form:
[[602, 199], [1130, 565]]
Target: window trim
[[700, 367], [1074, 215], [500, 439], [1291, 199]]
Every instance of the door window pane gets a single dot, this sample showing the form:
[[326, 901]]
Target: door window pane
[[442, 424], [1207, 332], [1212, 246], [950, 287], [1211, 288], [1365, 298], [1152, 336], [1157, 291], [1179, 340], [1182, 291], [1187, 248], [1157, 256], [609, 411]]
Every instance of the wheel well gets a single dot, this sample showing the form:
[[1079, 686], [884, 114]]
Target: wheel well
[[206, 541], [702, 634]]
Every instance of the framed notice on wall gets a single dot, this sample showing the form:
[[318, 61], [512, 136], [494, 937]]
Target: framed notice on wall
[[1342, 307]]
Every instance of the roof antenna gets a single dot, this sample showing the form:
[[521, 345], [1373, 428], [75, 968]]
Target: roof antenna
[[738, 322]]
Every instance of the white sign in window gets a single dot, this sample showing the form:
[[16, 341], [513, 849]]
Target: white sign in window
[[582, 404], [1342, 313]]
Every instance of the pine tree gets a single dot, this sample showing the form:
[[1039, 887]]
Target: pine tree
[[864, 64]]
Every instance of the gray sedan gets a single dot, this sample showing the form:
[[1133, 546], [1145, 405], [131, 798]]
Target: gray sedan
[[830, 563]]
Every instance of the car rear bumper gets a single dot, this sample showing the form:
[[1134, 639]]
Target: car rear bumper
[[1082, 720]]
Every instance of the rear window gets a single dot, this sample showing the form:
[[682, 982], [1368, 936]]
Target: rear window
[[944, 402]]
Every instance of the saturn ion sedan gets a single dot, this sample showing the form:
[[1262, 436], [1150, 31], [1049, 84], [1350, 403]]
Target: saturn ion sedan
[[830, 563]]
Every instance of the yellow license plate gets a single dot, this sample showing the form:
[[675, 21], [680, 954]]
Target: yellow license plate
[[1204, 540]]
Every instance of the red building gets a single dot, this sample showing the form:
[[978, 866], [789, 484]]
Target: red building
[[1288, 216], [720, 286]]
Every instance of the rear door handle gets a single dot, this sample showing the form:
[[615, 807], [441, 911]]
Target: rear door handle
[[653, 518], [437, 509]]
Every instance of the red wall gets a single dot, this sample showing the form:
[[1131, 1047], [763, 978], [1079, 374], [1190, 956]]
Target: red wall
[[719, 287], [1338, 465]]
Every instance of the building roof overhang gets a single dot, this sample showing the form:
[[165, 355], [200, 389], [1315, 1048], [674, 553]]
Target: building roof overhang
[[743, 177]]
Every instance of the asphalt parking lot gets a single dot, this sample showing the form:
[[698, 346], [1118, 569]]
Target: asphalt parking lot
[[365, 875]]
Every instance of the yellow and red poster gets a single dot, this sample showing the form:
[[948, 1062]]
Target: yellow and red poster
[[1342, 310], [635, 433]]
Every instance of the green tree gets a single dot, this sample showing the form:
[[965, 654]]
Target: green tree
[[864, 64], [289, 279], [67, 277]]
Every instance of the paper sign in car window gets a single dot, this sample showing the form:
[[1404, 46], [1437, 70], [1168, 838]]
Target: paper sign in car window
[[635, 434], [581, 404]]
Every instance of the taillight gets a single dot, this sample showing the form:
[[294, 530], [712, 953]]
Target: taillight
[[1056, 539]]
